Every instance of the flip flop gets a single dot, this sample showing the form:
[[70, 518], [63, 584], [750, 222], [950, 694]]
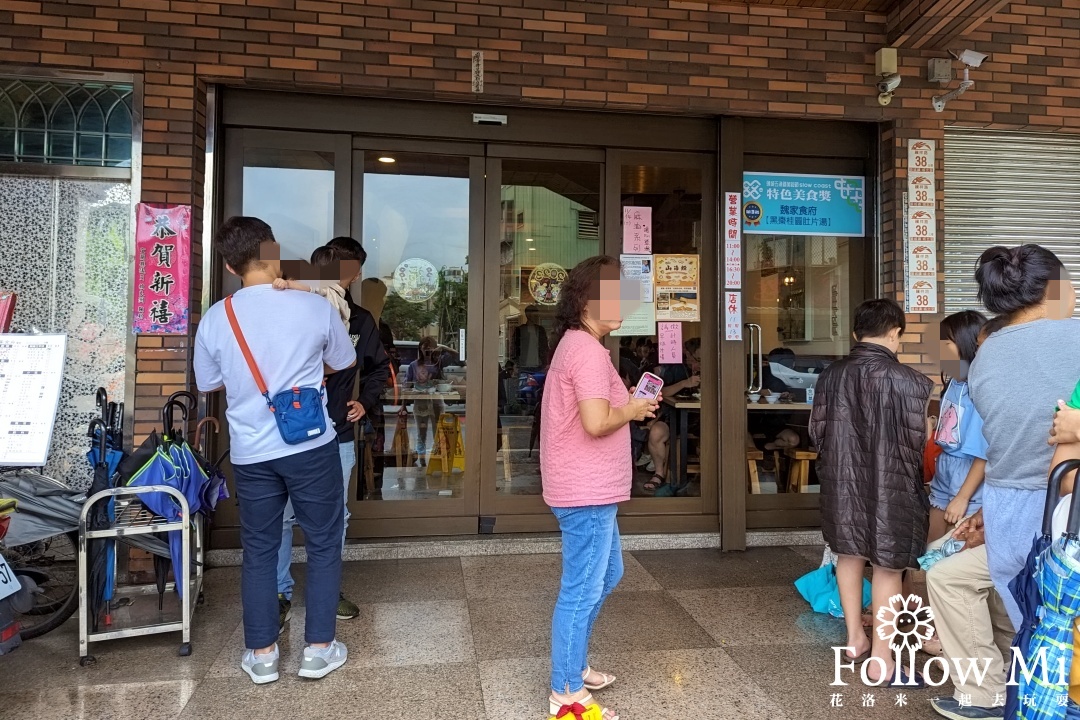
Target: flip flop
[[861, 657], [608, 679]]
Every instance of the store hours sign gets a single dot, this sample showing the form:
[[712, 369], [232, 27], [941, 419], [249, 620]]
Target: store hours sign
[[784, 204]]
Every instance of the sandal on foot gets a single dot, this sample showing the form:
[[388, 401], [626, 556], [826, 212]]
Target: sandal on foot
[[861, 657], [608, 679], [576, 711], [654, 483]]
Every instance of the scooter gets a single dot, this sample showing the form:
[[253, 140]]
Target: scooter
[[16, 589]]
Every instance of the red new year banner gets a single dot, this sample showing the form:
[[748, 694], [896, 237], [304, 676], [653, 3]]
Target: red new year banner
[[162, 269]]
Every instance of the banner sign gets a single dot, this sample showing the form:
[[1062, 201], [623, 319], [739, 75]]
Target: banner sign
[[732, 241], [920, 238], [162, 269], [782, 204]]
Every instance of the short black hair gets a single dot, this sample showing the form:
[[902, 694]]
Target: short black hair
[[348, 249], [238, 240], [323, 256], [693, 344], [963, 329], [1014, 279], [875, 318]]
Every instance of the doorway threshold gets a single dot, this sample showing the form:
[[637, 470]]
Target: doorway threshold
[[524, 544]]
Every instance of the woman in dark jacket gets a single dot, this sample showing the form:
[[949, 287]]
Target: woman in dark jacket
[[869, 426]]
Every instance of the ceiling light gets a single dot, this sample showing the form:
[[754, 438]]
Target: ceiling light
[[532, 249], [528, 239], [387, 159]]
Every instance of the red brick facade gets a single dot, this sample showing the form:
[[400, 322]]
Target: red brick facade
[[784, 59]]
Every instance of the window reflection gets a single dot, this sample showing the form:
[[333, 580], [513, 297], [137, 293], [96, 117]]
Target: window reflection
[[416, 233], [293, 191]]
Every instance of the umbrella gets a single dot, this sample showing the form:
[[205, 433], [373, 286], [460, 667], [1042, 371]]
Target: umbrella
[[99, 518], [112, 419], [167, 459], [215, 488], [1057, 573], [1025, 588]]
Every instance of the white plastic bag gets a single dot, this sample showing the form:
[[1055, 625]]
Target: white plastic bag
[[829, 558]]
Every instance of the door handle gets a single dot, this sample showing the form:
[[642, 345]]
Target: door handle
[[755, 330]]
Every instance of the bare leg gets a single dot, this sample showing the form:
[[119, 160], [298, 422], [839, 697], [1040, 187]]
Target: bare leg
[[885, 584], [938, 526], [658, 447], [849, 578]]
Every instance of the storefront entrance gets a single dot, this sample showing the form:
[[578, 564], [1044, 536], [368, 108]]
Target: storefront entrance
[[468, 240]]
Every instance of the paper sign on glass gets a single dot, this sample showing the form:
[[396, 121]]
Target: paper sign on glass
[[670, 340], [732, 231], [733, 315], [640, 323], [637, 230], [638, 268]]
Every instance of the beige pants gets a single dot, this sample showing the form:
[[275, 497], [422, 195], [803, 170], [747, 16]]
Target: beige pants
[[971, 622]]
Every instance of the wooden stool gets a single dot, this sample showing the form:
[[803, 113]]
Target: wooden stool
[[753, 455], [799, 472]]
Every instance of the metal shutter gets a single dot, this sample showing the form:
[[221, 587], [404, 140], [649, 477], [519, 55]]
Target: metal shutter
[[1007, 188]]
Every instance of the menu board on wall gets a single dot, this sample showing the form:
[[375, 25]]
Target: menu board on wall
[[920, 243], [676, 282], [31, 372], [732, 241], [162, 269]]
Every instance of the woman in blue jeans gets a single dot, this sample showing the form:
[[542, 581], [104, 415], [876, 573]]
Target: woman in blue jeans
[[586, 467]]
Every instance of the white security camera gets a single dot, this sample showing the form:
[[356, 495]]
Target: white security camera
[[969, 57], [888, 83]]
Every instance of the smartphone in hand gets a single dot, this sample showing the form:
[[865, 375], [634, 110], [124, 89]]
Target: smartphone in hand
[[649, 387]]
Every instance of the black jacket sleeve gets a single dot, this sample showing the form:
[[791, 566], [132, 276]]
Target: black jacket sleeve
[[372, 361]]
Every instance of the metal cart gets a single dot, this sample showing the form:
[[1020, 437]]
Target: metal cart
[[132, 518]]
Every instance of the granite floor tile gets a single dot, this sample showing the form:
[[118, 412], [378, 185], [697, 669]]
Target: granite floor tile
[[497, 576], [798, 678], [703, 683], [759, 616], [813, 553], [385, 634], [129, 701], [390, 581], [692, 569], [630, 621], [401, 693]]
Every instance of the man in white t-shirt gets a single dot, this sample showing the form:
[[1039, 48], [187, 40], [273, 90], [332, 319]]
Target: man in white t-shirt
[[295, 340]]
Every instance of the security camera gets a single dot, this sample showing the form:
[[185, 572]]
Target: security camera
[[888, 83], [969, 57]]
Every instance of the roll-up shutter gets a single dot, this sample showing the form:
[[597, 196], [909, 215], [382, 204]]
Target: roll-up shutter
[[1007, 188]]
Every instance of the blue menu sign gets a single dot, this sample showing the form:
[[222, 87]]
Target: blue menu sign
[[781, 204]]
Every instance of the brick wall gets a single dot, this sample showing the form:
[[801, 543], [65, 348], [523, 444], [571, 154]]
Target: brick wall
[[663, 56]]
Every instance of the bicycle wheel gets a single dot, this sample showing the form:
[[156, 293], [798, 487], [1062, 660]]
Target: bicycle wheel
[[53, 563]]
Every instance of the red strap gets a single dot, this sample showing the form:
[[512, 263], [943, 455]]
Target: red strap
[[244, 347]]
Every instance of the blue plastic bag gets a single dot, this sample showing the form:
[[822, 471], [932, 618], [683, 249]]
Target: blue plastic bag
[[819, 588]]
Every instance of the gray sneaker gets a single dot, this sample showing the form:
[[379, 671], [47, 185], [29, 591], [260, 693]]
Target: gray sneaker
[[320, 662], [261, 669]]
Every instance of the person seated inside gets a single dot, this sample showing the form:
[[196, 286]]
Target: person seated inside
[[677, 378]]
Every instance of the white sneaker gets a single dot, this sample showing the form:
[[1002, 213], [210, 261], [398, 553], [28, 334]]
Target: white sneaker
[[261, 669], [644, 460], [320, 662], [651, 467]]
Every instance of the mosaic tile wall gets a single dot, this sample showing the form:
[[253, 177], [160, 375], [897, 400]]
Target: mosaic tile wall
[[63, 249]]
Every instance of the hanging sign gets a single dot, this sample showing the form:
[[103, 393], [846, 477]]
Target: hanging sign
[[733, 315], [162, 269], [670, 341], [637, 230], [782, 204], [920, 220], [676, 283], [732, 241]]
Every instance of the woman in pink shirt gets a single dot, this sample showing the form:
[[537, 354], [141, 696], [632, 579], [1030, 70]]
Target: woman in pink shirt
[[586, 468]]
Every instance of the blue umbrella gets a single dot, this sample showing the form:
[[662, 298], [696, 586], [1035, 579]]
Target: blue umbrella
[[1025, 588], [1057, 573]]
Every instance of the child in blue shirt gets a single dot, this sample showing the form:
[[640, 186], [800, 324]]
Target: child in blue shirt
[[956, 490]]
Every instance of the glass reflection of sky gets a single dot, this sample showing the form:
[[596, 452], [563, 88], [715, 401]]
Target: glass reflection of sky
[[297, 204]]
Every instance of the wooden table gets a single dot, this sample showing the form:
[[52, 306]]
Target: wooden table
[[778, 407], [407, 396]]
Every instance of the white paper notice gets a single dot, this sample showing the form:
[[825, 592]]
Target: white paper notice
[[921, 294], [670, 341], [640, 323], [639, 268], [733, 315], [732, 241], [31, 371], [637, 230]]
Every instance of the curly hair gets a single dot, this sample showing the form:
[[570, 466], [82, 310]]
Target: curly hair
[[581, 286]]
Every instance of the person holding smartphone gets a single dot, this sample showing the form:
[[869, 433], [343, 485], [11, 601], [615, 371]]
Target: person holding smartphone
[[586, 469]]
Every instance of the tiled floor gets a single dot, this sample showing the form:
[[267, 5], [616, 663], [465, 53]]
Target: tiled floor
[[690, 633]]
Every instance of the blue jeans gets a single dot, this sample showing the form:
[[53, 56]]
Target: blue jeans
[[284, 577], [592, 567], [312, 479]]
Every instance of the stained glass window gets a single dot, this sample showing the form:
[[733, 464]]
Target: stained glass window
[[66, 123]]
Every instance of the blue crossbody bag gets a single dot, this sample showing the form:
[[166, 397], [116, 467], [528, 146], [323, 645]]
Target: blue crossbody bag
[[298, 411]]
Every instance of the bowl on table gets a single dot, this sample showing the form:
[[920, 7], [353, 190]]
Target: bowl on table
[[772, 399], [444, 387], [754, 397]]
